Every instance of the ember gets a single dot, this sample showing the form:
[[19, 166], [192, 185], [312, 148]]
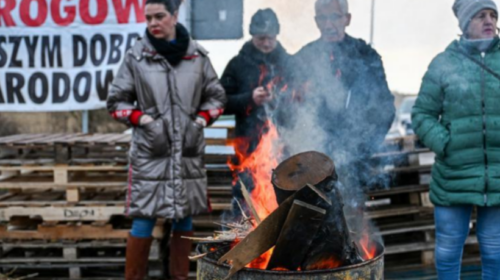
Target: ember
[[328, 263]]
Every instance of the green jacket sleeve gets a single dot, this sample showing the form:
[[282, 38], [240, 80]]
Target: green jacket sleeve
[[428, 109]]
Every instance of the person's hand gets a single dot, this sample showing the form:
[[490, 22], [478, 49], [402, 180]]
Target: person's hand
[[201, 121], [261, 96], [145, 119]]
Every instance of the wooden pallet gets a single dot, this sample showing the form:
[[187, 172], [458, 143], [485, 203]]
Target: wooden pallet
[[76, 252], [114, 194], [68, 231]]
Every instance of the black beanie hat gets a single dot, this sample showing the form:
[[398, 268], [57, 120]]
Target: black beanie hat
[[265, 22]]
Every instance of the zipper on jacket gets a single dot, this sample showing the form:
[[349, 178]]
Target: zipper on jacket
[[483, 104]]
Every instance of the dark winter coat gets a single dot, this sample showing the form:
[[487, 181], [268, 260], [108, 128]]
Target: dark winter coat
[[352, 101], [457, 115], [247, 71], [167, 174]]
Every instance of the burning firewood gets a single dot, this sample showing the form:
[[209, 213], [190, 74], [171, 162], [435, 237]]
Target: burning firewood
[[308, 229], [249, 202], [303, 220], [264, 237], [332, 246], [302, 169]]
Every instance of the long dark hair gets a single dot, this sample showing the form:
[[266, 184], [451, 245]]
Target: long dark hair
[[172, 6]]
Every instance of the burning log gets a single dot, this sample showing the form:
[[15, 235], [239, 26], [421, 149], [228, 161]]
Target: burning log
[[264, 237], [302, 169], [303, 221], [332, 246], [308, 230]]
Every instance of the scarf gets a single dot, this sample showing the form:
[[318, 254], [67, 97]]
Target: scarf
[[173, 51]]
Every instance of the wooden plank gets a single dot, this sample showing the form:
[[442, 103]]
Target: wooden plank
[[7, 174], [61, 175], [62, 213], [297, 234], [410, 169], [72, 139], [91, 139], [407, 227], [30, 140], [249, 202], [70, 253], [425, 199], [47, 185], [397, 211], [53, 141], [72, 195], [399, 190], [42, 161], [46, 140], [7, 139], [66, 139], [111, 139], [400, 153], [10, 140], [60, 232], [260, 240], [35, 244], [61, 260], [75, 273], [68, 168]]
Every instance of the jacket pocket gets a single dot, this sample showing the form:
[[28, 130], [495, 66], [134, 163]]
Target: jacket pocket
[[194, 141], [450, 145], [152, 140]]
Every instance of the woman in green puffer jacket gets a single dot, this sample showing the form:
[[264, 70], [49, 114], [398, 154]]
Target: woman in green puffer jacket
[[457, 115]]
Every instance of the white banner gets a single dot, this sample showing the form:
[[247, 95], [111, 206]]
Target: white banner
[[62, 55]]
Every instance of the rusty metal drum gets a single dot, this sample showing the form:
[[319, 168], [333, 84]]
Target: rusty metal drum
[[373, 269]]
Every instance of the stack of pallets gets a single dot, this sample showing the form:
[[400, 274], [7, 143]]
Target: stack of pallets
[[62, 204], [62, 199]]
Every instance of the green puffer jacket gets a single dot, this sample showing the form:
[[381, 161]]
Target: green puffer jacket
[[457, 115]]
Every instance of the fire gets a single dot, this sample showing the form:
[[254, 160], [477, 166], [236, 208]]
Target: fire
[[368, 247], [259, 165], [262, 261], [328, 263], [261, 162]]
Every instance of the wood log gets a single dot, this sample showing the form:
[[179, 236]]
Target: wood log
[[249, 202], [265, 236], [297, 234], [297, 171], [332, 246]]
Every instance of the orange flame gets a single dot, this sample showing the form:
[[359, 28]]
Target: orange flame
[[262, 261], [369, 249], [328, 263], [259, 165]]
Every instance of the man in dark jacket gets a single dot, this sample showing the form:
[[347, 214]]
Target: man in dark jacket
[[251, 80], [251, 77], [343, 86]]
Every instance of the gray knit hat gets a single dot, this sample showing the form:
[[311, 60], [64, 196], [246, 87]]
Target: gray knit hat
[[465, 10], [265, 22]]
